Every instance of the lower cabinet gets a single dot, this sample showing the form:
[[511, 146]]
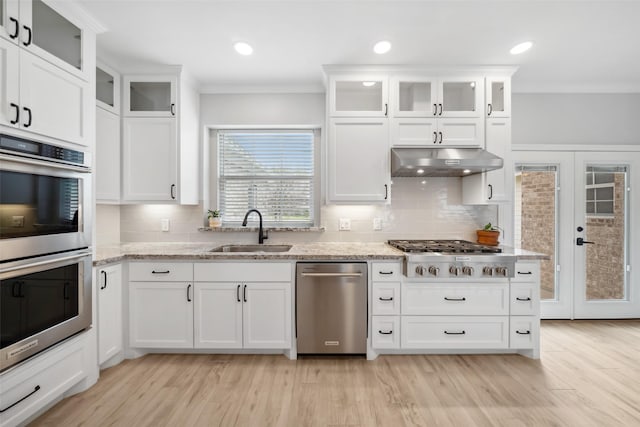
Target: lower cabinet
[[385, 331], [463, 332], [109, 290]]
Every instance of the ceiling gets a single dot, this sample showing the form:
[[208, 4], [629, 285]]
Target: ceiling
[[580, 46]]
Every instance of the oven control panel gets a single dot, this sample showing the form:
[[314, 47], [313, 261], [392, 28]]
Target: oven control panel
[[500, 269]]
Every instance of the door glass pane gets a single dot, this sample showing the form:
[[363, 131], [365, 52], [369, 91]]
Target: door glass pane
[[104, 86], [459, 96], [536, 220], [414, 96], [359, 96], [56, 35], [150, 96], [605, 225], [497, 96]]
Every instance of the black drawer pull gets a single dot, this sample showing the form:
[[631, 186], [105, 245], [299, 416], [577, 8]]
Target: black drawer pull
[[104, 274], [386, 273], [161, 272], [523, 333], [189, 293], [524, 272], [385, 299], [238, 293], [16, 29], [455, 333], [17, 108], [455, 299], [28, 111], [523, 299], [385, 332], [14, 404], [30, 37]]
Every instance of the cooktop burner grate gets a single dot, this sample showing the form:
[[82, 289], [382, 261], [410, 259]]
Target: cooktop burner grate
[[443, 246]]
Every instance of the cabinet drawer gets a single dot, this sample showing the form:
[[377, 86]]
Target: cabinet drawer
[[160, 272], [527, 272], [524, 299], [524, 332], [386, 298], [468, 299], [385, 331], [444, 332], [42, 379], [385, 272], [242, 272]]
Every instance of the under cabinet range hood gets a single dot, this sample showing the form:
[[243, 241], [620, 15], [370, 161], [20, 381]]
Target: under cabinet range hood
[[442, 162]]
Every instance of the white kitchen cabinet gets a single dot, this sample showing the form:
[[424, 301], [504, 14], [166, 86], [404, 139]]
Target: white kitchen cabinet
[[524, 331], [9, 84], [266, 315], [358, 95], [385, 331], [437, 133], [109, 293], [218, 315], [455, 299], [414, 96], [149, 159], [490, 187], [460, 97], [454, 332], [107, 88], [150, 95], [161, 314], [358, 160], [9, 20], [498, 96], [385, 298], [107, 172]]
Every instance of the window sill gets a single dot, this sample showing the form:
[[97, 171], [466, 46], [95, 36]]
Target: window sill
[[254, 229]]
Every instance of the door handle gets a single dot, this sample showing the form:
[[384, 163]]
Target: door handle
[[385, 299], [244, 293], [490, 192], [440, 113], [173, 191], [16, 28], [104, 273], [386, 109], [189, 293], [435, 135], [36, 388], [580, 241], [386, 192], [17, 108], [523, 299], [440, 133], [435, 109], [490, 109], [28, 110], [172, 108], [385, 332], [455, 333], [455, 299], [238, 293], [30, 37]]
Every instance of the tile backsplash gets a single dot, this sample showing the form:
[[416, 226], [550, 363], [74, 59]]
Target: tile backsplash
[[419, 209]]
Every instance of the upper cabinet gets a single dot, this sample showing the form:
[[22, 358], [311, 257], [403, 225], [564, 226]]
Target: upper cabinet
[[150, 96], [107, 88], [358, 95], [41, 27], [414, 96], [498, 97]]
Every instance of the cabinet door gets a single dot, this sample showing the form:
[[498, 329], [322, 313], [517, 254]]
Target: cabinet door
[[498, 142], [161, 315], [107, 156], [358, 96], [266, 315], [358, 160], [9, 84], [109, 312], [412, 131], [9, 20], [498, 96], [414, 97], [461, 132], [107, 88], [54, 37], [218, 315], [461, 97], [150, 96], [53, 102], [150, 159]]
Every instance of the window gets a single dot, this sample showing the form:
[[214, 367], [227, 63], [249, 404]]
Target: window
[[272, 171], [600, 187]]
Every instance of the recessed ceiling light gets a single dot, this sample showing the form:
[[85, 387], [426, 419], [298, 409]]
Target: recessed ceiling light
[[243, 48], [420, 171], [519, 48], [466, 171], [382, 47], [368, 84]]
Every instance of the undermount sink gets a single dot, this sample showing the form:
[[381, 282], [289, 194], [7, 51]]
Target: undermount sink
[[251, 248]]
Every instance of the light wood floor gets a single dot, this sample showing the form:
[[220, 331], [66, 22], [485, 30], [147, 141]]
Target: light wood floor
[[589, 375]]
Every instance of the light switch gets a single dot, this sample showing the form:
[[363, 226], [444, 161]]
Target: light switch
[[345, 224], [164, 224], [17, 221]]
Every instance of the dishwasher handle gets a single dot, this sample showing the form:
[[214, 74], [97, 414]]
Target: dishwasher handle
[[331, 274]]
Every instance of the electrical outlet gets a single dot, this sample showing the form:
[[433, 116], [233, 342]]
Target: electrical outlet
[[164, 224], [17, 221], [345, 224], [377, 224]]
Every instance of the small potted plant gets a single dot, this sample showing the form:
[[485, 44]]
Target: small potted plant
[[214, 218], [488, 235]]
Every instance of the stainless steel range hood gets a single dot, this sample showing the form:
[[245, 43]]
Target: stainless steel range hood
[[418, 162]]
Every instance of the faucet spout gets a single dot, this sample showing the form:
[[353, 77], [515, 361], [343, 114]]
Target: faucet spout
[[262, 236]]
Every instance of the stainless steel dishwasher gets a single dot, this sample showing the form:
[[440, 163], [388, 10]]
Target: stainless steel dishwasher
[[331, 307]]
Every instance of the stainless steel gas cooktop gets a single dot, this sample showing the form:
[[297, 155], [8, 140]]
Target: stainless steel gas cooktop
[[444, 246]]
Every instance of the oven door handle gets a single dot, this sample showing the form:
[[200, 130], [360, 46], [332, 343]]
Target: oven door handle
[[83, 254], [48, 164]]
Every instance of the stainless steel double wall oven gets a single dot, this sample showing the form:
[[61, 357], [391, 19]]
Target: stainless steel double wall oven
[[45, 246]]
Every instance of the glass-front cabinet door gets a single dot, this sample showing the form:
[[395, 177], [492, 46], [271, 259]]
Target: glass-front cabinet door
[[9, 20], [498, 97], [107, 89], [359, 96], [460, 97], [414, 97], [50, 35], [150, 96]]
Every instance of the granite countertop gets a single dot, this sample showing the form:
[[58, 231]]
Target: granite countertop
[[200, 251]]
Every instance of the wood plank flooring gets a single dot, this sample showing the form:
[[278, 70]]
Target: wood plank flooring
[[588, 375]]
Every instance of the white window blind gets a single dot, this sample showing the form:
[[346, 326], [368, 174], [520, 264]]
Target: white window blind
[[272, 171]]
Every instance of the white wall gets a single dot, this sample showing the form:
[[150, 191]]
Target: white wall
[[591, 119]]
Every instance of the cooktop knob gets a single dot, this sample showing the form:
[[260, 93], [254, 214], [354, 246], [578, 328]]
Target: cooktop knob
[[468, 271], [454, 270], [487, 271], [420, 270], [502, 271], [434, 271]]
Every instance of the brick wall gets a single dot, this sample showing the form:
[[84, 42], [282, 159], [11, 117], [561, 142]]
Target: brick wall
[[605, 259]]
